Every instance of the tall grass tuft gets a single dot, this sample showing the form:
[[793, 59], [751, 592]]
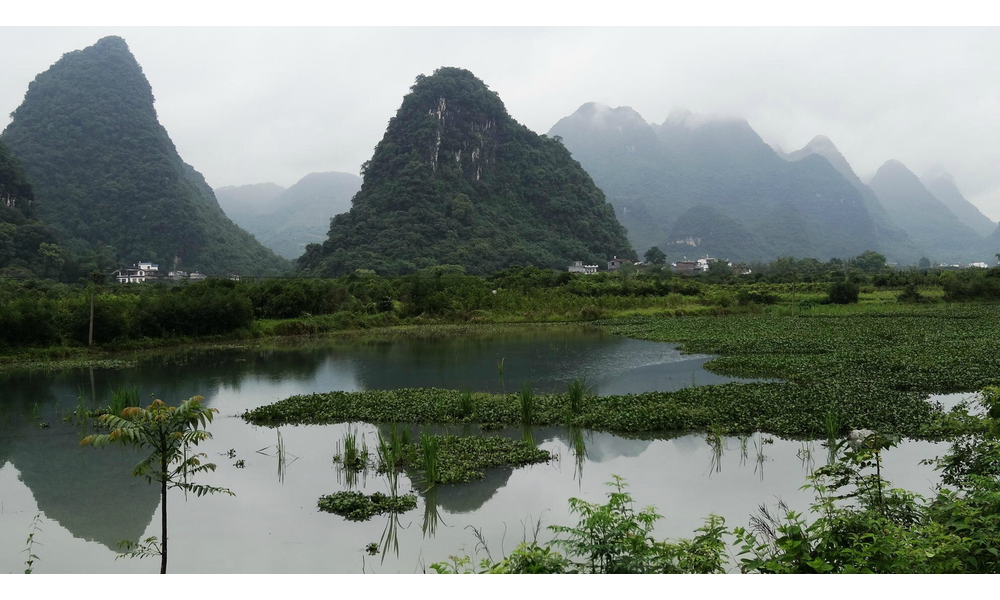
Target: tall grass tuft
[[123, 397], [527, 397], [465, 408], [576, 393], [390, 450], [354, 456], [429, 459]]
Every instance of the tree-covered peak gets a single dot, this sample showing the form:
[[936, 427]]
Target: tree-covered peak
[[456, 180], [107, 176]]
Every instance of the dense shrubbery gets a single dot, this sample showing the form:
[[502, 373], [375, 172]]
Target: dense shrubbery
[[843, 292], [54, 314], [42, 312]]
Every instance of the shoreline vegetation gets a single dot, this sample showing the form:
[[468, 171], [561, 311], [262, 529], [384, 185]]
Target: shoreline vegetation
[[46, 325], [869, 363]]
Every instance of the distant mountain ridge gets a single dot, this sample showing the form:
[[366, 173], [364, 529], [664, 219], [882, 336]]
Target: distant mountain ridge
[[893, 241], [456, 180], [942, 185], [109, 178], [925, 218], [287, 220], [700, 169]]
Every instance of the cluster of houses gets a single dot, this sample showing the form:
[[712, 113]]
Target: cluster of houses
[[142, 272], [686, 267]]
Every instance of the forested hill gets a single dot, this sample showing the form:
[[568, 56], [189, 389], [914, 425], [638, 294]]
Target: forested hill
[[701, 168], [107, 175], [927, 220], [27, 247], [290, 219], [893, 241], [456, 180]]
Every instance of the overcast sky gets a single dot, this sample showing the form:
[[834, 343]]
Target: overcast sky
[[248, 105]]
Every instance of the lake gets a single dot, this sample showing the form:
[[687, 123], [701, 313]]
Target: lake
[[88, 501]]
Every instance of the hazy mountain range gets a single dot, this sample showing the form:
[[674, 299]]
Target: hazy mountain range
[[696, 186], [286, 220], [92, 179]]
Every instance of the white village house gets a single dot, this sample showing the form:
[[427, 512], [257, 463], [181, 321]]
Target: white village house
[[615, 263], [579, 267], [137, 273], [144, 271]]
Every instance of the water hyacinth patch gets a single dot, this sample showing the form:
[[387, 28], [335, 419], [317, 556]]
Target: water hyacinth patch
[[355, 506]]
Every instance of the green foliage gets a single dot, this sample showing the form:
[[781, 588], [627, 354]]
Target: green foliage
[[843, 292], [429, 458], [108, 178], [29, 549], [881, 529], [355, 506], [576, 394], [457, 181], [655, 256], [466, 407], [526, 398], [872, 369], [27, 247], [612, 537], [168, 433], [857, 524], [911, 295]]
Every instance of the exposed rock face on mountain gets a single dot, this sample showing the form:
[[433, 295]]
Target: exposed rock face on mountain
[[710, 169], [928, 221], [456, 180], [291, 219], [107, 175], [893, 241], [942, 185]]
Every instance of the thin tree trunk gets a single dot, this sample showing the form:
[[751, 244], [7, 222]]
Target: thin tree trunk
[[163, 526]]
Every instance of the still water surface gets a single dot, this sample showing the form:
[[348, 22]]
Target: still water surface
[[88, 501]]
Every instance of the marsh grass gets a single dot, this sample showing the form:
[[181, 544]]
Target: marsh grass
[[716, 440], [429, 459], [526, 398], [351, 455], [465, 405], [576, 394], [282, 455], [123, 397], [432, 515], [392, 452], [759, 456], [579, 446]]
